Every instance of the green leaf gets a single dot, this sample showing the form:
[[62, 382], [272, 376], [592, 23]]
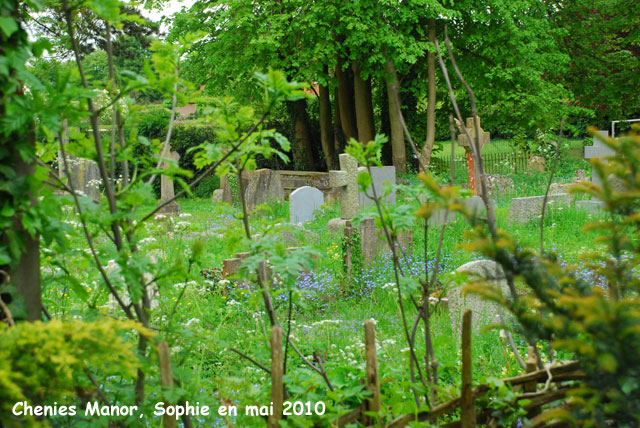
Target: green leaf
[[8, 25]]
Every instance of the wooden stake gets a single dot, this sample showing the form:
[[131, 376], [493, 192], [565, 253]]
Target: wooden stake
[[531, 366], [166, 378], [277, 365], [467, 408], [373, 383]]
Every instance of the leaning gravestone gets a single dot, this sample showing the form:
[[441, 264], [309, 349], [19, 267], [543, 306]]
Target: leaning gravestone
[[84, 175], [525, 209], [264, 186], [474, 205], [303, 202], [167, 192], [598, 150], [484, 312], [379, 176]]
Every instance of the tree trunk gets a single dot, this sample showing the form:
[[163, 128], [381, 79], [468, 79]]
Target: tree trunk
[[345, 102], [26, 275], [326, 125], [427, 149], [302, 149], [364, 105], [338, 135], [397, 135]]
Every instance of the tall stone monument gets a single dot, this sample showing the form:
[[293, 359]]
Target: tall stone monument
[[166, 187]]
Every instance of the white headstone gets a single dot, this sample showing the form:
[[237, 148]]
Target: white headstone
[[303, 202], [379, 176], [598, 150]]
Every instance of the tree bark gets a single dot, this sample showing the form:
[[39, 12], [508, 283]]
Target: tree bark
[[397, 135], [326, 125], [302, 149], [345, 102], [364, 104], [26, 275], [338, 142], [427, 149]]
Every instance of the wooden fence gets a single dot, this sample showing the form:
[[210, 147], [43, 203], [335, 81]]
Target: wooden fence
[[553, 378]]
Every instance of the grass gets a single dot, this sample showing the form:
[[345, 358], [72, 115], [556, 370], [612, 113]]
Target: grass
[[211, 316]]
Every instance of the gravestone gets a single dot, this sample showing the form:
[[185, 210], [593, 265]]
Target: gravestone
[[303, 203], [484, 311], [264, 186], [528, 208], [537, 163], [559, 188], [499, 184], [218, 196], [166, 186], [346, 181], [598, 150], [474, 205], [581, 175], [379, 176], [84, 175]]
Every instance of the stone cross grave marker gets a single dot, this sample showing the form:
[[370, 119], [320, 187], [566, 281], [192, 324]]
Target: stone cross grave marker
[[303, 202], [346, 180], [463, 141], [166, 186], [379, 175]]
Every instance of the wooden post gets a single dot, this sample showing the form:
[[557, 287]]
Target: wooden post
[[166, 378], [530, 367], [277, 366], [373, 383], [467, 408]]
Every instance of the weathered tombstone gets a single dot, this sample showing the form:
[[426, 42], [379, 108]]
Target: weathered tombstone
[[499, 184], [217, 196], [581, 175], [166, 187], [474, 205], [303, 202], [537, 163], [525, 209], [84, 175], [379, 176], [598, 150], [482, 138], [264, 186], [484, 312], [561, 188]]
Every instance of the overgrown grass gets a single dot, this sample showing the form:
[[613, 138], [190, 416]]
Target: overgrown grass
[[204, 317]]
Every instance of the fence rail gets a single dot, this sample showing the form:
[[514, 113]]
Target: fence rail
[[540, 415], [494, 163]]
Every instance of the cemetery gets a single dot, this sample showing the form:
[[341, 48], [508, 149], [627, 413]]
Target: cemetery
[[294, 214]]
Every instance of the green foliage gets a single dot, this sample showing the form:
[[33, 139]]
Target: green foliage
[[595, 318], [47, 362]]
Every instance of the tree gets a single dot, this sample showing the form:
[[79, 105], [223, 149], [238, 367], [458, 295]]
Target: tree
[[602, 39]]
